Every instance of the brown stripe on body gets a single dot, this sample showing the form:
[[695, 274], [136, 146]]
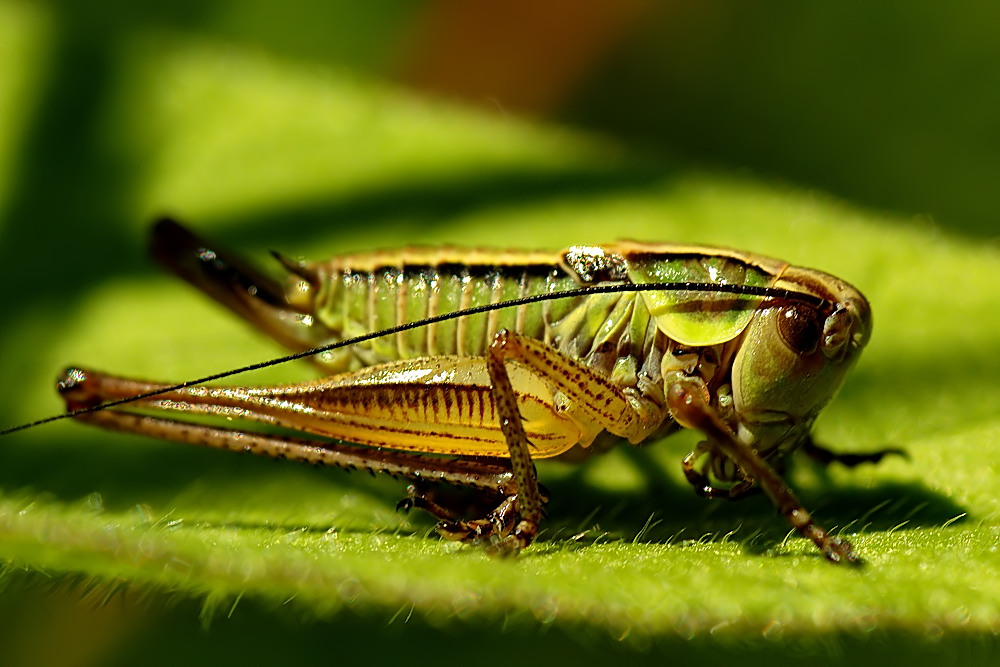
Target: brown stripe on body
[[634, 251], [441, 257], [439, 403]]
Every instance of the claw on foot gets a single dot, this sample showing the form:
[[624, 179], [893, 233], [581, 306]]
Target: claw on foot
[[838, 550]]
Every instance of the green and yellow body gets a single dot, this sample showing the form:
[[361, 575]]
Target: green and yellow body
[[475, 399]]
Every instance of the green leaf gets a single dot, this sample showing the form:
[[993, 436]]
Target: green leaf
[[267, 154]]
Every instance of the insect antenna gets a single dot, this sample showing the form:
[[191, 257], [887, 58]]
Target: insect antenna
[[589, 290]]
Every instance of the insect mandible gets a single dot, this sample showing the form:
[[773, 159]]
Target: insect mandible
[[743, 348]]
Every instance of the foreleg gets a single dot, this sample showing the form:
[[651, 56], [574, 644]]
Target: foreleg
[[687, 400]]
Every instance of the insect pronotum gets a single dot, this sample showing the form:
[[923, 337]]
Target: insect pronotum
[[456, 366]]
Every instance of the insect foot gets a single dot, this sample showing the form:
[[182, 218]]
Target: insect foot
[[523, 536], [503, 532], [838, 550], [835, 549], [512, 544]]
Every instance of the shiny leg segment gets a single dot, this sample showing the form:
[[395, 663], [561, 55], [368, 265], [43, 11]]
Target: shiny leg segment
[[687, 401]]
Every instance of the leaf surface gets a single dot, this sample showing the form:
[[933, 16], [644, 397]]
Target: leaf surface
[[265, 154]]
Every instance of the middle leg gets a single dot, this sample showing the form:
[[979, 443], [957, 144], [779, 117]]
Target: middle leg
[[594, 401]]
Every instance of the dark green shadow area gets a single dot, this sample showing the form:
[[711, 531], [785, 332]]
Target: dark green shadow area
[[672, 513], [113, 626], [407, 209], [67, 182], [892, 108]]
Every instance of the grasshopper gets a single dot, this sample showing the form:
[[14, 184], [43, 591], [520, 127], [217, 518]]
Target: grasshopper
[[496, 359]]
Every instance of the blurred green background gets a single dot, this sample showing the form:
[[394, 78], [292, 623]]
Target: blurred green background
[[321, 127]]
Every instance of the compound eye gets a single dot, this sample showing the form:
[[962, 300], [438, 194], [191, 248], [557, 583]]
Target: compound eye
[[800, 328]]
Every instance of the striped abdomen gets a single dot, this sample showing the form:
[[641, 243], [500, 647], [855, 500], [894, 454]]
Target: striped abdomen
[[358, 294]]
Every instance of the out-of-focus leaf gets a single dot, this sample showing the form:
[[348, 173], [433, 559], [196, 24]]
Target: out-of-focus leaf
[[264, 154]]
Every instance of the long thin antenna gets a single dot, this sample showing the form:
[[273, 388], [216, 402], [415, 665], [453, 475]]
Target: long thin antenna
[[740, 290]]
